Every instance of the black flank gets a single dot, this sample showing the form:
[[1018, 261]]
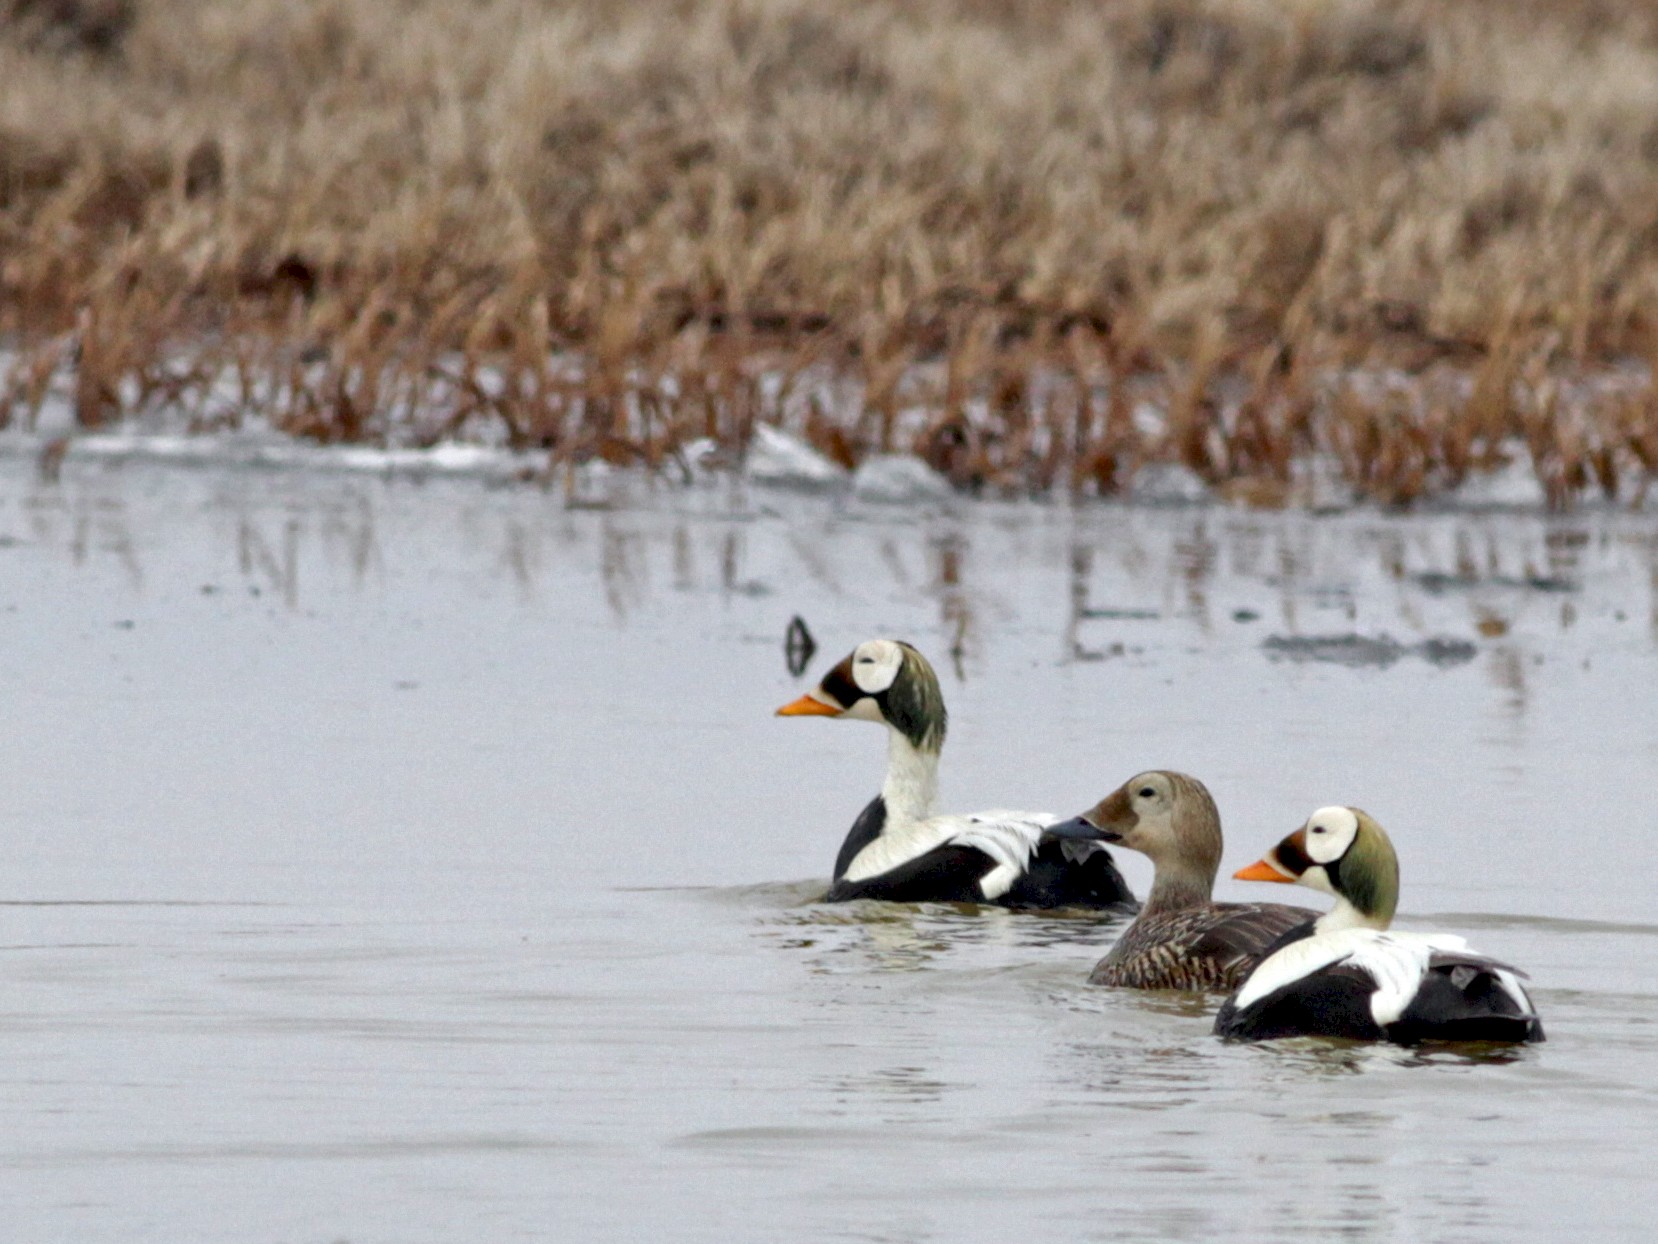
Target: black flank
[[1333, 1003], [1458, 1000], [947, 874], [1463, 1002], [1056, 880]]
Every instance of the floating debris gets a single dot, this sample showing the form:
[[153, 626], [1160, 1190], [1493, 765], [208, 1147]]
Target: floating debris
[[1119, 615], [1377, 652], [798, 645], [1437, 582]]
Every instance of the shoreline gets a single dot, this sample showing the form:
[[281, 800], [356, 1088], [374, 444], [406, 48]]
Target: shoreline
[[1507, 434]]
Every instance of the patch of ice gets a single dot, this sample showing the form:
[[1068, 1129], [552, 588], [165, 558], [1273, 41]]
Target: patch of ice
[[592, 484], [270, 450], [704, 459], [898, 479], [1169, 483], [775, 457], [702, 453], [1513, 485]]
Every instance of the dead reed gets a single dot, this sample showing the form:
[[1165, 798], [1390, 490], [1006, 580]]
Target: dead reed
[[1041, 245]]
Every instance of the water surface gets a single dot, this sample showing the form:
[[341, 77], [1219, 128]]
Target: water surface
[[396, 860]]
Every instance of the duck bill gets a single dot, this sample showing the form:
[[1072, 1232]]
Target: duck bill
[[1080, 828], [1263, 870], [806, 706], [1111, 817]]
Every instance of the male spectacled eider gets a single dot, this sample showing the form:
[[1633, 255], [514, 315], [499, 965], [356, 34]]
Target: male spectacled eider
[[1346, 975], [1182, 938], [900, 851]]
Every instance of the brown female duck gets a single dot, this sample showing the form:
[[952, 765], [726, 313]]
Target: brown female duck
[[1182, 939]]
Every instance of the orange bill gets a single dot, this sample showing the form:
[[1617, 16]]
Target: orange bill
[[805, 706], [1262, 870]]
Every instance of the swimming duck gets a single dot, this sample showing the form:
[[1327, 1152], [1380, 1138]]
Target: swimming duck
[[1345, 975], [900, 851], [1182, 938]]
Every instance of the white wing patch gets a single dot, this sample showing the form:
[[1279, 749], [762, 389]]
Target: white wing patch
[[1009, 838], [1397, 962], [1078, 852], [1512, 987]]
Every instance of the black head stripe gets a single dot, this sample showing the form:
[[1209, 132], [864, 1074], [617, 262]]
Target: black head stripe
[[837, 684], [1292, 857]]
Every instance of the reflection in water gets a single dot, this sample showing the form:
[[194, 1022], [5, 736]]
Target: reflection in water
[[275, 562], [905, 937], [520, 554], [110, 535], [1194, 563], [621, 567], [894, 562], [1113, 580], [906, 1084], [684, 569], [1507, 667], [752, 1060], [955, 608]]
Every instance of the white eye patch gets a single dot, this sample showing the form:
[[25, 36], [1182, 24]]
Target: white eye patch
[[1329, 832], [875, 665]]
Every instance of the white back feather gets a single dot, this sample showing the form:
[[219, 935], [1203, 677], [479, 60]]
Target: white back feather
[[1397, 962], [1511, 986], [1007, 837]]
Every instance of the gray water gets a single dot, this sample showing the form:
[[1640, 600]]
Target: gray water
[[401, 861]]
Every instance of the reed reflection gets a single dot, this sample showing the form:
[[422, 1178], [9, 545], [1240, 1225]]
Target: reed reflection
[[1114, 581]]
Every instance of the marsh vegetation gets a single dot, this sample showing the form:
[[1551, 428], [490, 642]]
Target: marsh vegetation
[[1039, 245]]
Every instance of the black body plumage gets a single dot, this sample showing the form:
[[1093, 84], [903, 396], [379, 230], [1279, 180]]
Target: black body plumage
[[1059, 874], [1459, 998]]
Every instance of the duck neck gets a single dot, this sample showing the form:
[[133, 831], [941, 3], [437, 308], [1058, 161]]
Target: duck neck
[[1346, 915], [911, 788], [1177, 885]]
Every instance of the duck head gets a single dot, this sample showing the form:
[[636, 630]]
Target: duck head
[[881, 680], [1340, 851], [1169, 817]]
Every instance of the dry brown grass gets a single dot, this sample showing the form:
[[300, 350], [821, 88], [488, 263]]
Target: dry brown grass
[[603, 227]]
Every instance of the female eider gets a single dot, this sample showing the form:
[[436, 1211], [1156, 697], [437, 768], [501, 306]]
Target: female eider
[[898, 850], [1182, 939], [1345, 975]]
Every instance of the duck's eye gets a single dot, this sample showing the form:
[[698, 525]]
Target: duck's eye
[[1318, 829], [866, 660], [1148, 792]]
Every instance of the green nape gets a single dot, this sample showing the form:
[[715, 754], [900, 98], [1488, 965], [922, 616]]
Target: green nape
[[915, 703], [1370, 871]]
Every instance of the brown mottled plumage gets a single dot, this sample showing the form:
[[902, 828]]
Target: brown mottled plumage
[[1212, 946], [1182, 938]]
